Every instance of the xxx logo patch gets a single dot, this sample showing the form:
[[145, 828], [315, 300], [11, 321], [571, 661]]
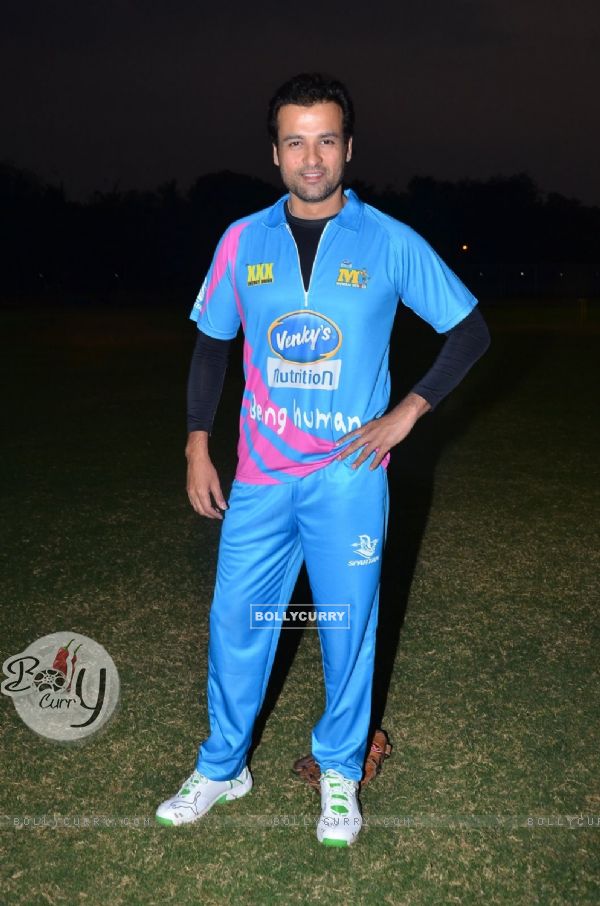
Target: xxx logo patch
[[258, 274]]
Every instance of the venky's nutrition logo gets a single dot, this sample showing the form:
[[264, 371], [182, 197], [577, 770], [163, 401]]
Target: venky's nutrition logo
[[64, 686], [258, 274], [304, 342], [365, 547], [352, 276]]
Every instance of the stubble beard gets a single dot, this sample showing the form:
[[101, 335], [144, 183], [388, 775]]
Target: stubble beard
[[313, 194]]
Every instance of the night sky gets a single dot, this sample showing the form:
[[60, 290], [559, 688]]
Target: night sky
[[135, 93]]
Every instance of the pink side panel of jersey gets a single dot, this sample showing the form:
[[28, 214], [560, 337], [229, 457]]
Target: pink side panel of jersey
[[294, 437], [226, 257]]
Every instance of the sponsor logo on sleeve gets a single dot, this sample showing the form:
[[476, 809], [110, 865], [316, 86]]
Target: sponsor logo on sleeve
[[201, 294]]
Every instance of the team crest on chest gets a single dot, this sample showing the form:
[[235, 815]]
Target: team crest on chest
[[348, 275], [258, 274]]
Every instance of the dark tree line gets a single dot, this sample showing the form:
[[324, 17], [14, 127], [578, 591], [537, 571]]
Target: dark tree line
[[502, 236]]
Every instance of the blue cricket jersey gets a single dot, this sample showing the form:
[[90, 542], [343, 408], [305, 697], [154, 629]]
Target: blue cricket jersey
[[316, 360]]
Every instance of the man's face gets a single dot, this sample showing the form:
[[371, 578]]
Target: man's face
[[311, 153]]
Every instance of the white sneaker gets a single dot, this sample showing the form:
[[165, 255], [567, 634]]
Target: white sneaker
[[341, 820], [198, 794]]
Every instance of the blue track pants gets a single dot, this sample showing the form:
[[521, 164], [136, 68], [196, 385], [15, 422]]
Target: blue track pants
[[335, 520]]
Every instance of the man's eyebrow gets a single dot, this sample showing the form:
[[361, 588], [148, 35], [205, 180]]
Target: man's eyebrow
[[287, 138]]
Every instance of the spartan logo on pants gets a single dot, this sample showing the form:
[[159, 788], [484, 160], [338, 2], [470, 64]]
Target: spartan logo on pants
[[365, 546]]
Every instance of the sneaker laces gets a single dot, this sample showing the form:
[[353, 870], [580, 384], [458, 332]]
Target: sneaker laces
[[192, 782], [340, 789]]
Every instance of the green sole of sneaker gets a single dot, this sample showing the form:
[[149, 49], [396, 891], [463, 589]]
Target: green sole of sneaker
[[164, 821]]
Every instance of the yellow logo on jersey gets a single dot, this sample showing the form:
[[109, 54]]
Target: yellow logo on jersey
[[352, 276], [260, 273]]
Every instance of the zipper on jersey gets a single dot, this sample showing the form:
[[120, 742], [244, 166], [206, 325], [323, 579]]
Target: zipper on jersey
[[312, 270]]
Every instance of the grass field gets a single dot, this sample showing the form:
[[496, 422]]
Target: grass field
[[488, 652]]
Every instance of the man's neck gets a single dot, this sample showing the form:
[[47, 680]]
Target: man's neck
[[307, 222], [317, 210]]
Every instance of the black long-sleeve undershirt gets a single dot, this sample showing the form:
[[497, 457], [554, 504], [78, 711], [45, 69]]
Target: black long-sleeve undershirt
[[464, 344], [205, 381]]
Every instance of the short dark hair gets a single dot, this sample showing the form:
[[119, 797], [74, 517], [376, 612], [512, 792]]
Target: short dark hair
[[307, 89]]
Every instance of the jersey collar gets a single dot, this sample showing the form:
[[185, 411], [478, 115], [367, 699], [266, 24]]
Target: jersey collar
[[349, 217]]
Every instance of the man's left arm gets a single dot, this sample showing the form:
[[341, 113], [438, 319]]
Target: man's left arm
[[465, 343]]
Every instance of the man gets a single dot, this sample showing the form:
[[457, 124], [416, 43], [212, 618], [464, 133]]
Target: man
[[314, 281]]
